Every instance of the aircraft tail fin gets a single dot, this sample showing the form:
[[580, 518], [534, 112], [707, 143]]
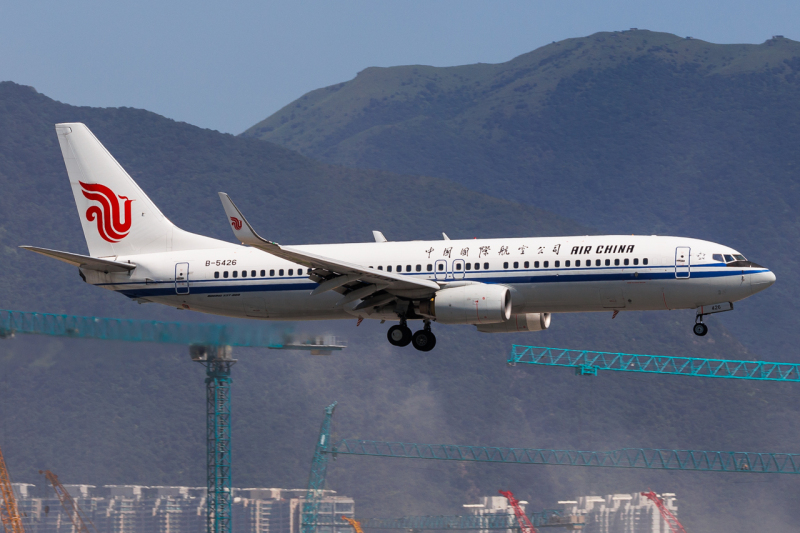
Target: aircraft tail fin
[[116, 215]]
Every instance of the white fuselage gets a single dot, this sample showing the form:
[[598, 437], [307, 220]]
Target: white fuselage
[[544, 274]]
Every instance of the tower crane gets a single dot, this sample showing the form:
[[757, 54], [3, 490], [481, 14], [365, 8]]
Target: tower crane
[[9, 512], [666, 514], [353, 522], [524, 524], [70, 505]]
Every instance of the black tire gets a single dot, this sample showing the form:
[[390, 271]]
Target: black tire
[[424, 341], [700, 329], [399, 335]]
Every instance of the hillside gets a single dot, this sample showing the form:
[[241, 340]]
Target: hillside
[[115, 413], [628, 132]]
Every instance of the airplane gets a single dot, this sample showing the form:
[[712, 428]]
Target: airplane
[[497, 285]]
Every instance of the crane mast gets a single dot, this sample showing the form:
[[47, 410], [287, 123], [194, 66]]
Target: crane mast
[[70, 506], [666, 514], [9, 512], [524, 524]]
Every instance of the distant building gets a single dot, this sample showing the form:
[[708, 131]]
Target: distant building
[[493, 505], [173, 509], [621, 513]]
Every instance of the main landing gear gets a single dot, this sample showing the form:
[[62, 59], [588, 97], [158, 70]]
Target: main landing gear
[[699, 328], [423, 340]]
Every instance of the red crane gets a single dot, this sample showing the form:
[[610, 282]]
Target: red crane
[[669, 518], [524, 524]]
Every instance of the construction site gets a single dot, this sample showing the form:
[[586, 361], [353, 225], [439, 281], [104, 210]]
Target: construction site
[[219, 507]]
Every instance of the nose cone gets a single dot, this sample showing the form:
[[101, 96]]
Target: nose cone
[[761, 280]]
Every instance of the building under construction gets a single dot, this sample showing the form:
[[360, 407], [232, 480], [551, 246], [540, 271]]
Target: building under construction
[[143, 509], [623, 513]]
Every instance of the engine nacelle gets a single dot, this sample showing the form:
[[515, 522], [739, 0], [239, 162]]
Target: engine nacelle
[[519, 323], [476, 303]]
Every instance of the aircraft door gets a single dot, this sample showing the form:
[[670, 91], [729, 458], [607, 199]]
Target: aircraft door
[[440, 269], [683, 262], [182, 278], [458, 269]]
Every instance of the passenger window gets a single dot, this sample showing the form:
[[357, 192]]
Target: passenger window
[[300, 271], [252, 273], [728, 258], [291, 272], [419, 268], [718, 257], [597, 262], [430, 267], [225, 274], [263, 273], [235, 274], [441, 266], [566, 263], [477, 266], [636, 261], [516, 264], [644, 261], [627, 261], [608, 262], [527, 264], [280, 272], [616, 262], [505, 265], [486, 266], [216, 274], [546, 264], [244, 273], [558, 264], [458, 267], [536, 264], [577, 262], [408, 268], [399, 268], [469, 266], [389, 268], [271, 273], [380, 268]]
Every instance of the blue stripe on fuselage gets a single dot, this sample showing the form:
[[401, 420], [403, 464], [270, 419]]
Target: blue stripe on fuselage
[[220, 286]]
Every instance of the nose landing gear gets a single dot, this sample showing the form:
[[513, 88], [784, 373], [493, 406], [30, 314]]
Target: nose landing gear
[[699, 328]]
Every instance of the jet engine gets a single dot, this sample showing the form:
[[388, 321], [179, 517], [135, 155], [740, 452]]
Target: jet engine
[[518, 323], [476, 303]]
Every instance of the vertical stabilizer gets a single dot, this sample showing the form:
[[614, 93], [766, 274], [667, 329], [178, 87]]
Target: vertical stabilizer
[[116, 215]]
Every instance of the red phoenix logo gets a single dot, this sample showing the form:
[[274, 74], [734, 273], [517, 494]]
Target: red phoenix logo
[[236, 223], [109, 214]]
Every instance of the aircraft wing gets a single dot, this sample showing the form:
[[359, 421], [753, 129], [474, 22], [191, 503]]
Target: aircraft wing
[[343, 272], [84, 261]]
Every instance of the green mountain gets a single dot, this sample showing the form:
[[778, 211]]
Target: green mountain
[[627, 132], [103, 412]]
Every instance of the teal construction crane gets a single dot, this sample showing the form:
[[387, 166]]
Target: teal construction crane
[[209, 345], [546, 518], [587, 363], [686, 460], [319, 471]]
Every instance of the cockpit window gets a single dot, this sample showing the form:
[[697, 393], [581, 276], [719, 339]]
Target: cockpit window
[[728, 258], [718, 257], [739, 257]]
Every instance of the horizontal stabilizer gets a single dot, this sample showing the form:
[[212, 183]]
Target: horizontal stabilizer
[[84, 261]]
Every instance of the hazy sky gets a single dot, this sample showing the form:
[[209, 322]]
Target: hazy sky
[[228, 65]]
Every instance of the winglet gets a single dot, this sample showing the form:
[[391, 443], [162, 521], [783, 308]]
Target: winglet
[[379, 236], [242, 229], [445, 236]]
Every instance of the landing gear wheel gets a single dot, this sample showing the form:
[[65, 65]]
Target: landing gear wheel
[[700, 329], [399, 335], [424, 340]]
